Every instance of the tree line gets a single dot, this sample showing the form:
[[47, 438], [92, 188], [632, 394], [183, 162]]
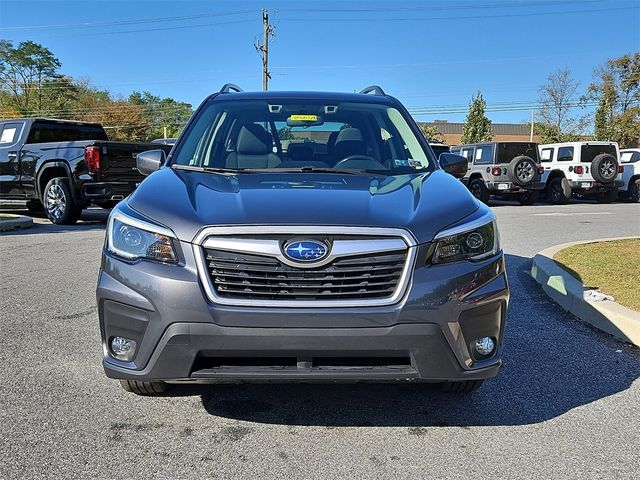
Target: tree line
[[32, 85], [614, 96]]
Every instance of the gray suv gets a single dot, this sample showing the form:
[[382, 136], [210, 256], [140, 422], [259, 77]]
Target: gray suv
[[509, 170], [301, 237]]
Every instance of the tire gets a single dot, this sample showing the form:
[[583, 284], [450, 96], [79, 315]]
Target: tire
[[528, 198], [58, 202], [106, 204], [479, 190], [604, 168], [608, 196], [35, 206], [634, 191], [522, 170], [466, 386], [555, 192], [143, 388]]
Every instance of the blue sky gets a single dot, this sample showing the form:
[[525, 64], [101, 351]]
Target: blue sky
[[429, 54]]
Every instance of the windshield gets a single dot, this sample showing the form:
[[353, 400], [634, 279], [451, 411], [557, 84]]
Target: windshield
[[302, 134], [589, 152], [511, 150]]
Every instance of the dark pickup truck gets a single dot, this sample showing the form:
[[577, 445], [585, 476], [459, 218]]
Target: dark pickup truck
[[64, 166]]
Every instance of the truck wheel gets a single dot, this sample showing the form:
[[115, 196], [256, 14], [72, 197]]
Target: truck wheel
[[528, 198], [466, 386], [143, 388], [522, 170], [479, 190], [58, 202], [556, 192], [604, 168], [608, 196]]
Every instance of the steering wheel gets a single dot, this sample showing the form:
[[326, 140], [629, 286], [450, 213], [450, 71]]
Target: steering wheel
[[359, 162]]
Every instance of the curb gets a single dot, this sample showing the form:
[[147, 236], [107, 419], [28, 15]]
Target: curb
[[18, 221], [568, 292]]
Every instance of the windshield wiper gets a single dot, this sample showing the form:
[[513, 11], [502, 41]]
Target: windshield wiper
[[307, 169], [194, 168]]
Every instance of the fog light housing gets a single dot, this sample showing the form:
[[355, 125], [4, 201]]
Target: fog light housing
[[484, 346], [122, 348]]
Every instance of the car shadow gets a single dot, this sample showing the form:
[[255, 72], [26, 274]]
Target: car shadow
[[91, 219], [553, 364]]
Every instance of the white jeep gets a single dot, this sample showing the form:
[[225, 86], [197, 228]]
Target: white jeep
[[630, 162], [508, 170], [582, 168]]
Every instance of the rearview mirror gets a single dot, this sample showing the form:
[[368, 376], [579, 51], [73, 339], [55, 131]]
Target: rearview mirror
[[150, 161], [453, 164]]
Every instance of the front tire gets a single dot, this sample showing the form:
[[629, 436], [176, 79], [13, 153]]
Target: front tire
[[556, 193], [479, 190], [58, 202], [528, 198], [466, 386], [143, 388]]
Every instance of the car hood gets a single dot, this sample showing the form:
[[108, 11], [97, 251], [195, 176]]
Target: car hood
[[186, 201]]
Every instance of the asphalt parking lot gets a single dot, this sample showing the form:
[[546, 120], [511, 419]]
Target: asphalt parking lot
[[566, 404]]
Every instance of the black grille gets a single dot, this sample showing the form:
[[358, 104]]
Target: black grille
[[244, 276]]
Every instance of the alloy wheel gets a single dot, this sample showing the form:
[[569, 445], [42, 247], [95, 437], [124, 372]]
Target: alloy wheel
[[56, 201], [524, 171], [607, 169]]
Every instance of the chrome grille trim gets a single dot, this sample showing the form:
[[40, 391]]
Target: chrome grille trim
[[388, 240]]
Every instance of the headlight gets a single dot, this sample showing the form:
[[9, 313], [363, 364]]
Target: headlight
[[132, 239], [475, 241]]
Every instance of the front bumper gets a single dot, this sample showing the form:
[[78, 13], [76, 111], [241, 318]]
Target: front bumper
[[181, 336]]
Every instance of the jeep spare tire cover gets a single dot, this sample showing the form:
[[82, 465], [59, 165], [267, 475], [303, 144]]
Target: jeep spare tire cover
[[604, 168], [522, 170]]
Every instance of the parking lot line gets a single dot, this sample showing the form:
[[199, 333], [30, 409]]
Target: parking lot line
[[570, 214]]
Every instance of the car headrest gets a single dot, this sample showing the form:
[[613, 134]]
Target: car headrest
[[349, 135], [349, 142], [253, 139], [299, 152], [331, 142]]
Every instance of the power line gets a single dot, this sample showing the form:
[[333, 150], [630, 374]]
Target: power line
[[448, 6], [128, 22], [458, 17]]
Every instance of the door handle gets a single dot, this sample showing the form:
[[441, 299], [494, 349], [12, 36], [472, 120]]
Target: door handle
[[12, 156]]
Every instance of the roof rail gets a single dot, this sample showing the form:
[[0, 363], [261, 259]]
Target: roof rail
[[375, 89], [230, 87]]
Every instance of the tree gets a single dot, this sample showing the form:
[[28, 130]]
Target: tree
[[162, 112], [617, 90], [477, 127], [431, 132], [557, 100], [24, 71]]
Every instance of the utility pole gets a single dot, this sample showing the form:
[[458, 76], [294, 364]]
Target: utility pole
[[268, 33], [531, 135]]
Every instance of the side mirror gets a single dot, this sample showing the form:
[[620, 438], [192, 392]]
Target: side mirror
[[453, 164], [150, 161]]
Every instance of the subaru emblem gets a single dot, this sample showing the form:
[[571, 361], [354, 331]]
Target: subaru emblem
[[305, 250]]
